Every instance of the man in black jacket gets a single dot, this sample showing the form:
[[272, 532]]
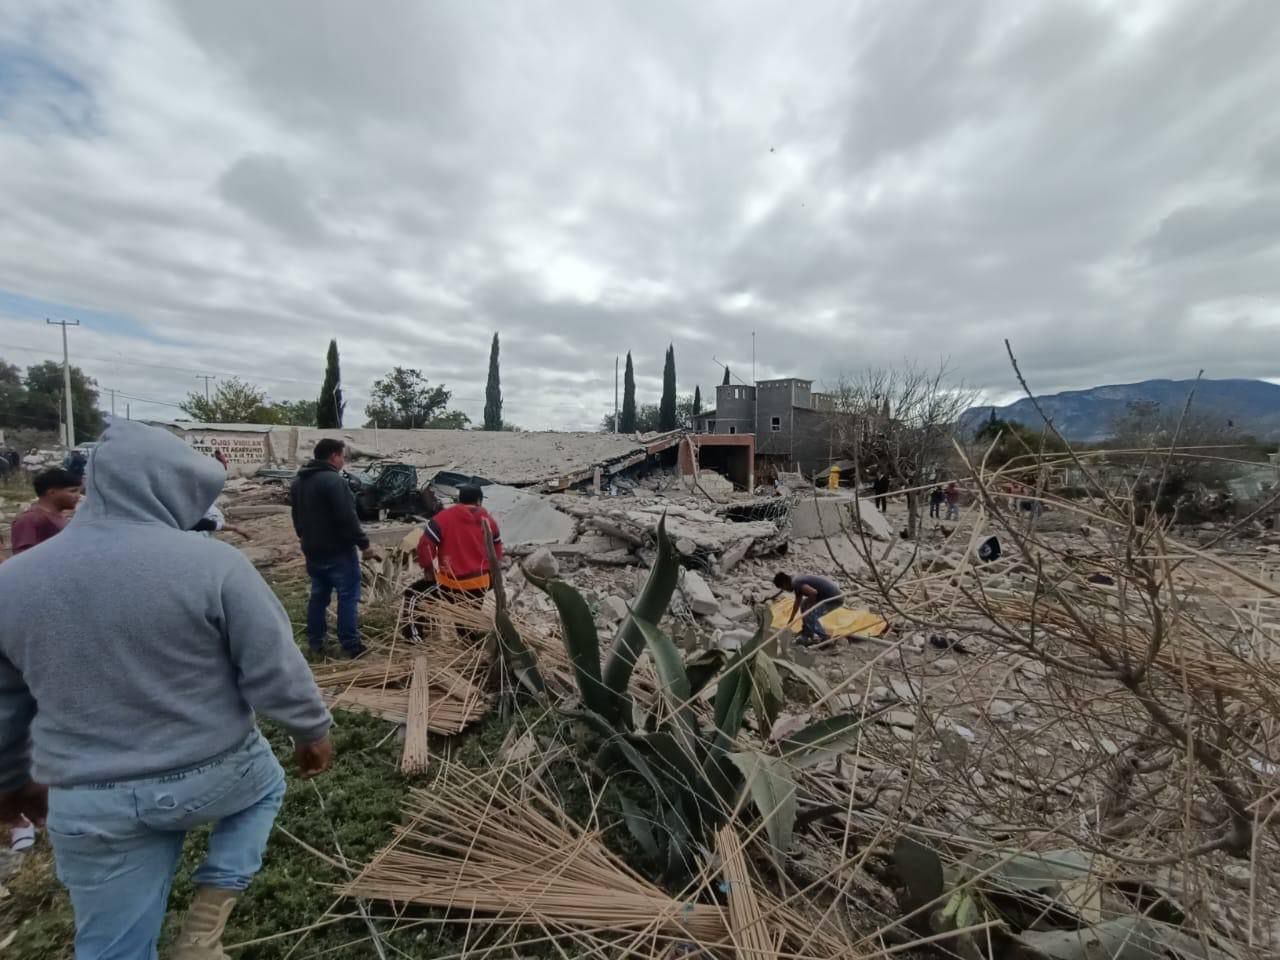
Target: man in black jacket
[[324, 517]]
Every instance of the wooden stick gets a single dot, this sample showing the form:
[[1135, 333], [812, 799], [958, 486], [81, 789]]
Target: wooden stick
[[416, 754]]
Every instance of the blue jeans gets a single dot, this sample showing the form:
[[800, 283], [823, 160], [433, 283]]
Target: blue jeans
[[813, 619], [117, 845], [340, 574]]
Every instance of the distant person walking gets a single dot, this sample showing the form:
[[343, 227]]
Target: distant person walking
[[936, 499], [953, 500], [324, 517], [57, 493], [881, 489], [133, 660], [814, 598]]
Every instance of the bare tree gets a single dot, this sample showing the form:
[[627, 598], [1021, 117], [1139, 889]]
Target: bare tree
[[899, 422]]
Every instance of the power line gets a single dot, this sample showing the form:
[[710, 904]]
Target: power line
[[162, 403], [143, 363], [192, 370]]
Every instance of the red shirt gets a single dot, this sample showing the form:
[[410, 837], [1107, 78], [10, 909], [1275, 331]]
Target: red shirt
[[34, 526], [456, 536]]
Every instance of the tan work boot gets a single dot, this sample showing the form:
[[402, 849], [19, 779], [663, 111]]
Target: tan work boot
[[201, 936]]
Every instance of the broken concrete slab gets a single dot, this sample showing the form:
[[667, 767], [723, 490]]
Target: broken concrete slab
[[735, 554], [637, 521], [827, 515], [697, 594], [611, 558], [526, 517]]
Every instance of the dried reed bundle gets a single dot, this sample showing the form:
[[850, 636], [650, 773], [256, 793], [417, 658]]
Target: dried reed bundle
[[474, 846], [751, 936]]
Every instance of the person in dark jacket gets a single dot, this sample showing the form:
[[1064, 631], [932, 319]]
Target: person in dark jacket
[[881, 489], [936, 498], [324, 517]]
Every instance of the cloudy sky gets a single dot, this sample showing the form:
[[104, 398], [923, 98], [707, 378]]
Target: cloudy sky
[[220, 187]]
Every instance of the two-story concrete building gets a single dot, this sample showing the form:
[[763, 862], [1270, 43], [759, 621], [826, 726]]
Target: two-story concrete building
[[794, 427]]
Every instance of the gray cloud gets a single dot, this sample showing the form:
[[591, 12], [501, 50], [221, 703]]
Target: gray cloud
[[268, 190], [855, 184]]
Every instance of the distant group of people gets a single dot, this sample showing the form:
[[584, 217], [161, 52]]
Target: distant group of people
[[940, 496]]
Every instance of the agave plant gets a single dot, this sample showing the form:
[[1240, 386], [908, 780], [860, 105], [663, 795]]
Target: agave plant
[[1018, 905], [698, 774]]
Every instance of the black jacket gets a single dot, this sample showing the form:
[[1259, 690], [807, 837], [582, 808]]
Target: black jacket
[[324, 512]]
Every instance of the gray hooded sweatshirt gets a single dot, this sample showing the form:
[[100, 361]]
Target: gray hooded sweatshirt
[[129, 647]]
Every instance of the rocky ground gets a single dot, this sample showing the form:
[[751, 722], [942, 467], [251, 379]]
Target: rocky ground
[[965, 736]]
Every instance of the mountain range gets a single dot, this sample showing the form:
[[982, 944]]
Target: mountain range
[[1251, 406]]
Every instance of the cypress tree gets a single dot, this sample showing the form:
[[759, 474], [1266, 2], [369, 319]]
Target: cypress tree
[[493, 391], [697, 400], [667, 406], [725, 383], [330, 406], [627, 419]]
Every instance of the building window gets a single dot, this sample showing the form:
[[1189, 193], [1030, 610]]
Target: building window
[[775, 424], [711, 426], [733, 429]]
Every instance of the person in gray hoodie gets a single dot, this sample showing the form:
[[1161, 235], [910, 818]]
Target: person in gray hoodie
[[148, 652]]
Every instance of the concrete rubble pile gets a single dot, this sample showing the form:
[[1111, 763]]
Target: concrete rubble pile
[[709, 538]]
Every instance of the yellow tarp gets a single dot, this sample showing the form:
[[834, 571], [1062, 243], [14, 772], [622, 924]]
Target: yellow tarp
[[839, 623]]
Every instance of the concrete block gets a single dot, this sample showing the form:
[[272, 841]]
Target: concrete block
[[698, 595]]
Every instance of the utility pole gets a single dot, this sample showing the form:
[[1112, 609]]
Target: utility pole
[[66, 377], [127, 412], [206, 378], [113, 402], [615, 394], [755, 393]]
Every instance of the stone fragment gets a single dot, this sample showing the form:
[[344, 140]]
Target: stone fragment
[[698, 595], [614, 608], [1003, 710], [542, 564]]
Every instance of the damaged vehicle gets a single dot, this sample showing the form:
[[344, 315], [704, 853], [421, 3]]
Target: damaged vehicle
[[391, 490]]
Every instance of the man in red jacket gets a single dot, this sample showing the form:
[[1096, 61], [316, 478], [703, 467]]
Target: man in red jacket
[[453, 546]]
